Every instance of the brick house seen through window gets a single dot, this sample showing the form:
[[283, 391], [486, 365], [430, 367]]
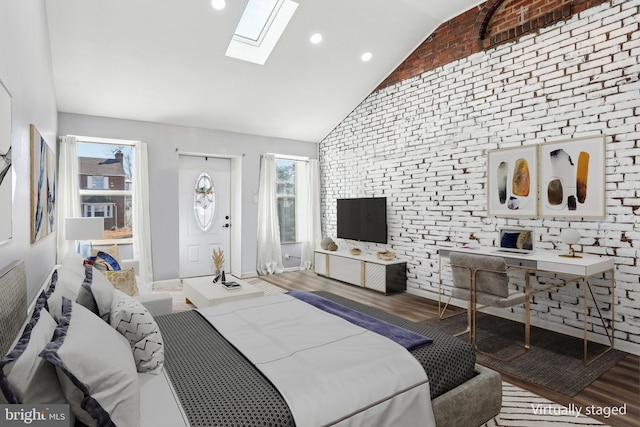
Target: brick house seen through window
[[105, 191]]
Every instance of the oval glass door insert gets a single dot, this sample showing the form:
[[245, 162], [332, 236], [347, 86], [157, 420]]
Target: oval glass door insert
[[204, 201]]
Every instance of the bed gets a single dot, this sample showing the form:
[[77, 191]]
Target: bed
[[205, 380]]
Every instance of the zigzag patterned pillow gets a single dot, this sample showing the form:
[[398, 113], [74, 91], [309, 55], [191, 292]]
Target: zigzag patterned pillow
[[135, 323]]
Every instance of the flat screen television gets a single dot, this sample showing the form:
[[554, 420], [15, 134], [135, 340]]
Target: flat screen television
[[363, 219]]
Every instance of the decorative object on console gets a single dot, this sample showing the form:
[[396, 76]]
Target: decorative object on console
[[333, 246], [570, 237], [83, 229], [512, 181], [386, 255], [355, 251], [324, 244], [572, 177]]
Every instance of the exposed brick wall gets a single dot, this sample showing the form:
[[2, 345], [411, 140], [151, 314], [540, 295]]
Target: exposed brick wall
[[422, 143], [494, 22]]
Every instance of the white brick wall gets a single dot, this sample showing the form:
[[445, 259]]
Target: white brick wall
[[422, 143]]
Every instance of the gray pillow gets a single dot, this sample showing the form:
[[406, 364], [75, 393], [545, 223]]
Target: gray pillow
[[96, 293], [95, 368]]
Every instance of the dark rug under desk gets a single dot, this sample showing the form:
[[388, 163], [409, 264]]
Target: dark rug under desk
[[554, 360]]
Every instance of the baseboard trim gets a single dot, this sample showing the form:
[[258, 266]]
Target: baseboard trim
[[619, 344]]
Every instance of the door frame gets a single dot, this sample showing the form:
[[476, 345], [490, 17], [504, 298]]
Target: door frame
[[235, 242]]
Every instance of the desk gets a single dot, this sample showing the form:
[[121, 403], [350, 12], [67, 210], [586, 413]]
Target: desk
[[550, 261]]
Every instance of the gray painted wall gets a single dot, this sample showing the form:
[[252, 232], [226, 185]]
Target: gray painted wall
[[25, 70], [162, 141]]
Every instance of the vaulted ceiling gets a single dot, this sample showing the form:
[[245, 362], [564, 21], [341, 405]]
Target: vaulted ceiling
[[164, 61]]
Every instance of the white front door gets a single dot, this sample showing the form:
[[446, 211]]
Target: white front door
[[198, 239]]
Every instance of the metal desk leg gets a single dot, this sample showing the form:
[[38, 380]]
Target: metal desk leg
[[587, 287]]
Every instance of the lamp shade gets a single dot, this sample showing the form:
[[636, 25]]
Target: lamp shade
[[570, 236], [84, 228]]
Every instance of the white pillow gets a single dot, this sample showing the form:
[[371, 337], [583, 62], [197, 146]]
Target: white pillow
[[137, 325], [96, 293], [74, 262], [71, 279], [95, 368], [25, 377]]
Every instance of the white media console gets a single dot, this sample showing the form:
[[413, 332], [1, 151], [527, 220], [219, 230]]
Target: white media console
[[364, 270]]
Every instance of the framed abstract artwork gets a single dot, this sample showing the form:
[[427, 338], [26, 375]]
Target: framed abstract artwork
[[572, 178], [512, 177], [6, 199], [42, 186]]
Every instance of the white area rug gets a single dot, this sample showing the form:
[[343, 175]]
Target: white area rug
[[521, 408]]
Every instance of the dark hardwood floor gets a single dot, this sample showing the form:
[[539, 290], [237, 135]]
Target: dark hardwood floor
[[617, 387]]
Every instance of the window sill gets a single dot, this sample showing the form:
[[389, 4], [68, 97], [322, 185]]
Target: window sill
[[109, 242]]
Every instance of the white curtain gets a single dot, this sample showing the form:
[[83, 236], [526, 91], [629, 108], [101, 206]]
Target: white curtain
[[141, 219], [269, 251], [68, 198], [308, 210]]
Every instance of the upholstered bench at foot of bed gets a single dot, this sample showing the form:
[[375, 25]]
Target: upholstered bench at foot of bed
[[472, 403]]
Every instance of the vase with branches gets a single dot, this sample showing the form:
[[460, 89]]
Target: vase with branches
[[218, 262]]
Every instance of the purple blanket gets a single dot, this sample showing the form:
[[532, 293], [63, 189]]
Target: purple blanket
[[408, 339]]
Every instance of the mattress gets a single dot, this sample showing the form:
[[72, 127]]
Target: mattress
[[217, 386]]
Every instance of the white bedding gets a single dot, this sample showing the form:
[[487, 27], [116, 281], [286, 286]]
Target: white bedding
[[359, 377]]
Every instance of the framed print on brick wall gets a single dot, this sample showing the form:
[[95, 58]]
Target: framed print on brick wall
[[512, 176], [572, 178]]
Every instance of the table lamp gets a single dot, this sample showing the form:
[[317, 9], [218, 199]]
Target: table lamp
[[570, 237], [83, 229]]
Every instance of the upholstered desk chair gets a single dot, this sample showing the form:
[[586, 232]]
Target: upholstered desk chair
[[482, 280]]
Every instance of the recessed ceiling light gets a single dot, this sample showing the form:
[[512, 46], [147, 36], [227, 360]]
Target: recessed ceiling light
[[218, 4], [316, 38], [366, 56]]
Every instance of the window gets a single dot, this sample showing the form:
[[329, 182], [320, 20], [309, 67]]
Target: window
[[98, 210], [98, 182], [286, 195], [105, 177]]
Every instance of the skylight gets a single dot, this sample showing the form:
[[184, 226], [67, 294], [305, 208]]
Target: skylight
[[260, 28], [256, 17]]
